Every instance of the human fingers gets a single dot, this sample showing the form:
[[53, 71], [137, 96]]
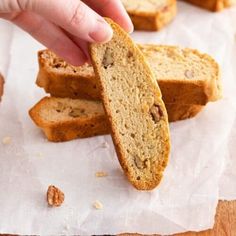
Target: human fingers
[[51, 36], [113, 9], [74, 16]]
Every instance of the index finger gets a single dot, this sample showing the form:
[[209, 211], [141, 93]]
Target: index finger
[[113, 9]]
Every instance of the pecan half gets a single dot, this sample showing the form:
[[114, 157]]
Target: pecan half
[[55, 197]]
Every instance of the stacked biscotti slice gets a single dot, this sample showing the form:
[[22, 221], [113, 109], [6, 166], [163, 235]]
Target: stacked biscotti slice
[[213, 5], [150, 14], [187, 78]]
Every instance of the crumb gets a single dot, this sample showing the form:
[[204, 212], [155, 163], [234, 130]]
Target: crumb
[[97, 205], [39, 154], [105, 145], [55, 197], [66, 227], [6, 140], [101, 174]]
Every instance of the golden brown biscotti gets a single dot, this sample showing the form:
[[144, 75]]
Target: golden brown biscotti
[[185, 76], [135, 111], [150, 15], [213, 5], [56, 117], [64, 119], [177, 112]]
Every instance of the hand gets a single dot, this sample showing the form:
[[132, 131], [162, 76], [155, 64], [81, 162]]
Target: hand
[[66, 26]]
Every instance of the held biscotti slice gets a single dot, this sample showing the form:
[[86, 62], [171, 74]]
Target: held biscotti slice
[[213, 5], [185, 76], [135, 111], [150, 14], [64, 119]]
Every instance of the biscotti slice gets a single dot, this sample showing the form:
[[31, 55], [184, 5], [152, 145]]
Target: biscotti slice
[[213, 5], [135, 111], [150, 15], [64, 119], [185, 76], [64, 122]]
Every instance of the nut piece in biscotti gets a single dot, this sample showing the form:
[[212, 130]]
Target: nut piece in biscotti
[[213, 5], [64, 119], [55, 197], [141, 136], [150, 14]]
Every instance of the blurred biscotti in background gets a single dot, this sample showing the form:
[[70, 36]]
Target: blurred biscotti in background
[[1, 85], [213, 5], [150, 15]]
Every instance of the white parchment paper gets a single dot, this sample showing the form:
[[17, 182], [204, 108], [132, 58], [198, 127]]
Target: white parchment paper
[[187, 197]]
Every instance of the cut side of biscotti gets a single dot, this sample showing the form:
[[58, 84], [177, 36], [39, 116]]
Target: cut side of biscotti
[[150, 15], [64, 119], [213, 5], [136, 113], [185, 76]]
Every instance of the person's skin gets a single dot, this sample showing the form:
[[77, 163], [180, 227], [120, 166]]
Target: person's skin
[[66, 26]]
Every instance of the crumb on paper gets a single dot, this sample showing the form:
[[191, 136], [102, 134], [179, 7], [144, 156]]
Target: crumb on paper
[[39, 154], [97, 205], [105, 145], [66, 227], [6, 140], [101, 174], [55, 197]]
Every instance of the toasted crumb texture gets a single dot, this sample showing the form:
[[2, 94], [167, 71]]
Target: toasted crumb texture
[[136, 113], [64, 119], [150, 14], [1, 85], [185, 76], [213, 5], [55, 197], [62, 127]]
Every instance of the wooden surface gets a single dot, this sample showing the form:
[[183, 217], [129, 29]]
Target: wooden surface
[[225, 222]]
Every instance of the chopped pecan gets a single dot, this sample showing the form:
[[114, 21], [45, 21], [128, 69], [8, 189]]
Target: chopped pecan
[[156, 113]]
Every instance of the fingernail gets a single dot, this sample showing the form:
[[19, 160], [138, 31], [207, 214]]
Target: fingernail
[[102, 32]]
